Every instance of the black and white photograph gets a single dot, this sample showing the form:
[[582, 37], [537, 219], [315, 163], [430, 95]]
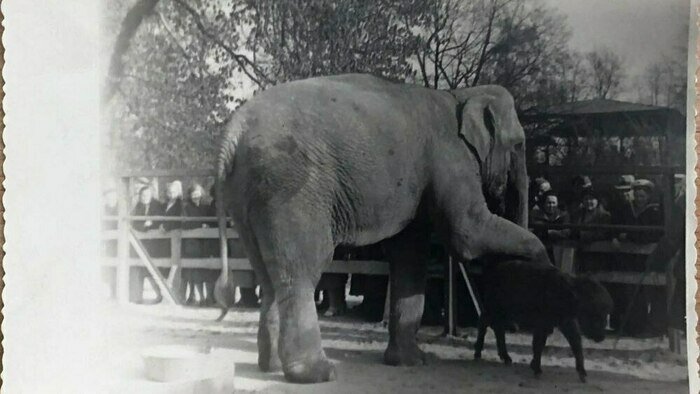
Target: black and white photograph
[[349, 196]]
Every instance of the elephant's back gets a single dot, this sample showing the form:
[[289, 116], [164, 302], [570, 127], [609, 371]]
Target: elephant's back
[[353, 145], [350, 108]]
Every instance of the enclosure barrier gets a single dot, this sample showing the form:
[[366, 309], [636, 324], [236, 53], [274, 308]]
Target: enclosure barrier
[[565, 257]]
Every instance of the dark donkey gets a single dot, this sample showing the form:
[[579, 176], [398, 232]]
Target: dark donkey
[[541, 297]]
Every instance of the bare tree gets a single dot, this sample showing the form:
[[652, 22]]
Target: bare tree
[[664, 83], [455, 41], [515, 43], [321, 37], [606, 72]]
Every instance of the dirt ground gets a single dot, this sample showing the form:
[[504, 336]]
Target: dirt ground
[[635, 366]]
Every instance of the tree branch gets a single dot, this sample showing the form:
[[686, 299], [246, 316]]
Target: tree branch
[[133, 19], [243, 62]]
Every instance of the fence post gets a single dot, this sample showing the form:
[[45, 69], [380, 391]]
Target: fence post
[[175, 274], [123, 242], [451, 327]]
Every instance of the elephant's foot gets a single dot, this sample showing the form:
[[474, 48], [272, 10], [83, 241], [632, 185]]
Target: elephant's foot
[[317, 370], [407, 355], [268, 355], [269, 362]]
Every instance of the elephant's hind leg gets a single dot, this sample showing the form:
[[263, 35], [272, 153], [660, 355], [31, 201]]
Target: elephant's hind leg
[[268, 328], [408, 254], [295, 249]]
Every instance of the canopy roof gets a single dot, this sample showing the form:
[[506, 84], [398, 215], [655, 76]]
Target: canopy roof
[[603, 118]]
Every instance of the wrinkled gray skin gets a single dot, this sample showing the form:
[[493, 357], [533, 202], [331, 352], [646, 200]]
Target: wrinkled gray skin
[[353, 160]]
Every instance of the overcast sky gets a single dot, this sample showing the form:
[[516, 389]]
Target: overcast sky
[[640, 30]]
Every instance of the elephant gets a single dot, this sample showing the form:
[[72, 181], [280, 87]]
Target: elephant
[[351, 160]]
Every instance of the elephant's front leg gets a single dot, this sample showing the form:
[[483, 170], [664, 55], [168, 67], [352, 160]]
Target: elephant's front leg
[[408, 255], [479, 232]]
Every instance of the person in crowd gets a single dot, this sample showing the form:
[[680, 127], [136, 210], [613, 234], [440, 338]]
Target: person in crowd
[[542, 186], [651, 315], [646, 315], [590, 212], [621, 202], [580, 184], [193, 278], [146, 206], [550, 213], [645, 212], [173, 206]]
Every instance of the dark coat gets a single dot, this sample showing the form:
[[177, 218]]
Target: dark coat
[[175, 210], [650, 215], [155, 247], [194, 247], [191, 209], [597, 216], [621, 212], [154, 208], [547, 235]]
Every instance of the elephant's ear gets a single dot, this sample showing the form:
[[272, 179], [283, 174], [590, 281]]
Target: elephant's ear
[[478, 127], [489, 120]]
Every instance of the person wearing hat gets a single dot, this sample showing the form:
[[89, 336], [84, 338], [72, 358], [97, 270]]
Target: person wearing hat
[[621, 202], [550, 213], [645, 212], [591, 212], [647, 315], [579, 185]]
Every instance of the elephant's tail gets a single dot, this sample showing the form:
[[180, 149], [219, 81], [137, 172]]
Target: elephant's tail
[[224, 167]]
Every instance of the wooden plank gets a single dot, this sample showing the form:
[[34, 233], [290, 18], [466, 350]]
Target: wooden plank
[[368, 267], [620, 247], [166, 218], [451, 326], [622, 228], [472, 293], [175, 274], [167, 293], [568, 260], [630, 278], [206, 233], [607, 170]]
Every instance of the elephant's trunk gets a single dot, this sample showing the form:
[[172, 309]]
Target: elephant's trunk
[[518, 183]]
